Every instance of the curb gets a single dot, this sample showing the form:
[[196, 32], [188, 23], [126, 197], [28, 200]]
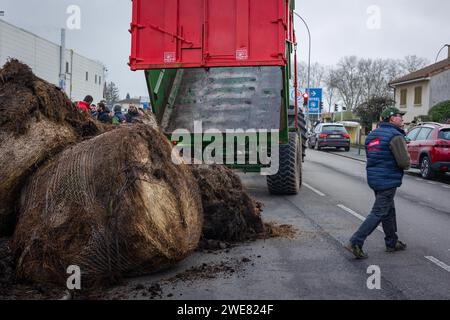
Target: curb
[[349, 157]]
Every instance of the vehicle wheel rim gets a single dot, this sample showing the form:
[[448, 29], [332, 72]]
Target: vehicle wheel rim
[[425, 167]]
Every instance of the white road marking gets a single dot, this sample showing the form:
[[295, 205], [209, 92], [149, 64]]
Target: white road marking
[[439, 263], [431, 182], [445, 186], [314, 190], [357, 215], [418, 179]]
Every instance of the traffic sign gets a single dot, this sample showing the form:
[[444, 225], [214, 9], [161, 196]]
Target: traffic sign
[[315, 100]]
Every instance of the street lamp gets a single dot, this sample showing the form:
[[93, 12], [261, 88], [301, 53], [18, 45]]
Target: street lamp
[[445, 46], [309, 62]]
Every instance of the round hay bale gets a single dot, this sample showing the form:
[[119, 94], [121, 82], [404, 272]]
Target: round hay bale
[[230, 214], [115, 206], [37, 120]]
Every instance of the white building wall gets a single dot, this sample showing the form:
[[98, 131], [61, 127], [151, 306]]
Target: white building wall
[[96, 77], [412, 110], [440, 88], [43, 57]]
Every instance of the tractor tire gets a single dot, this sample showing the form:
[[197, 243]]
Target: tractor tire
[[288, 180], [304, 133]]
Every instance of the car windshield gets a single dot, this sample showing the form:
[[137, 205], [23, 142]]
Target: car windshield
[[331, 129], [444, 134]]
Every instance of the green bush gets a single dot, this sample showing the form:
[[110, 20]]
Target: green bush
[[440, 112]]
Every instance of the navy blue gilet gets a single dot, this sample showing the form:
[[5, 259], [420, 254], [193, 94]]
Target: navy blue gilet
[[383, 173]]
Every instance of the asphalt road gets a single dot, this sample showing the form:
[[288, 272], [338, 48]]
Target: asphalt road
[[423, 209], [315, 265]]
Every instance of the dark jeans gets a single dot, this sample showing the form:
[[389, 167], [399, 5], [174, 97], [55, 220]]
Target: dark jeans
[[383, 212]]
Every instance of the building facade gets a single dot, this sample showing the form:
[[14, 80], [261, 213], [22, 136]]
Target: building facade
[[82, 76], [420, 91]]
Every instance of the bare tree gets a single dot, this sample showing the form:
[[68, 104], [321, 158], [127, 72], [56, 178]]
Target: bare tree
[[375, 78], [412, 63], [330, 91], [317, 76], [347, 80], [355, 81]]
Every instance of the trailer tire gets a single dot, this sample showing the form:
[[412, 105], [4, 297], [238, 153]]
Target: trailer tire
[[288, 180]]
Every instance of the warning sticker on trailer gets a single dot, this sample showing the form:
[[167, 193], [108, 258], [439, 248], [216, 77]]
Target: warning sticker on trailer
[[169, 57], [242, 54]]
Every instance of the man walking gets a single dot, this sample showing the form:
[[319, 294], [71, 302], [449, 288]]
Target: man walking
[[387, 158]]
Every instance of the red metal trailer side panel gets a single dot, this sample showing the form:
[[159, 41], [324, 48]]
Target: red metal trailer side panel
[[209, 33]]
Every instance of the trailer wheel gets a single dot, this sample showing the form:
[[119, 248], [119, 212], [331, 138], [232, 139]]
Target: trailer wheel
[[288, 180]]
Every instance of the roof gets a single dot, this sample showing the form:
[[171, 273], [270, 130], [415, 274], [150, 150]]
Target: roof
[[424, 73]]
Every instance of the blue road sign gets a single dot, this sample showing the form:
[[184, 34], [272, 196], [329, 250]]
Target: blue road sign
[[315, 100]]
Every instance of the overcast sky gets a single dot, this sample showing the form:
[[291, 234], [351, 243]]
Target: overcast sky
[[366, 28]]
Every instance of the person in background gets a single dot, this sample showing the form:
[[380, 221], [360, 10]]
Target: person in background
[[103, 113], [85, 104], [387, 159], [132, 114], [94, 111], [118, 117]]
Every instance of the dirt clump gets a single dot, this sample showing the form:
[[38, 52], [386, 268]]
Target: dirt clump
[[276, 230], [210, 271], [230, 214], [115, 206]]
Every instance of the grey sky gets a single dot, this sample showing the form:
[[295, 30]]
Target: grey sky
[[338, 27]]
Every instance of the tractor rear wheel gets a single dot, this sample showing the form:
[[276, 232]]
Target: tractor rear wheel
[[288, 180]]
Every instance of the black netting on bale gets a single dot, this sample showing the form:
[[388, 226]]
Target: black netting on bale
[[37, 121], [115, 206], [230, 214]]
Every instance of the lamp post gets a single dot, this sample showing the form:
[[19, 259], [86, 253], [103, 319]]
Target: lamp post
[[445, 46], [309, 65]]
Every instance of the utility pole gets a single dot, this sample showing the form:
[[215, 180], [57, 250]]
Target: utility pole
[[309, 67]]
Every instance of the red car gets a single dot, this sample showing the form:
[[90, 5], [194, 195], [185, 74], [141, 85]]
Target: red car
[[429, 148]]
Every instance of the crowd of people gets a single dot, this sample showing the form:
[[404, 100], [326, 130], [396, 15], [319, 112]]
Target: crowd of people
[[102, 113]]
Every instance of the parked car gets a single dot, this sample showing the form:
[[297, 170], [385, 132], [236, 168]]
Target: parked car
[[329, 135], [429, 148]]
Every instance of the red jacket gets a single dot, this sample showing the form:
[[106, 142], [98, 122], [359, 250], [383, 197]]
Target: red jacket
[[83, 106]]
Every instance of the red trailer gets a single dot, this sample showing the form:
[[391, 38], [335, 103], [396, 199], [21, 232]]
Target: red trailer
[[210, 33], [226, 63]]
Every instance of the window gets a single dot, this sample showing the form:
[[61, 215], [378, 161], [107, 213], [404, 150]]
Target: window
[[418, 96], [424, 134], [87, 76], [99, 80], [413, 134], [403, 97], [331, 129], [444, 134], [96, 77], [67, 67]]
